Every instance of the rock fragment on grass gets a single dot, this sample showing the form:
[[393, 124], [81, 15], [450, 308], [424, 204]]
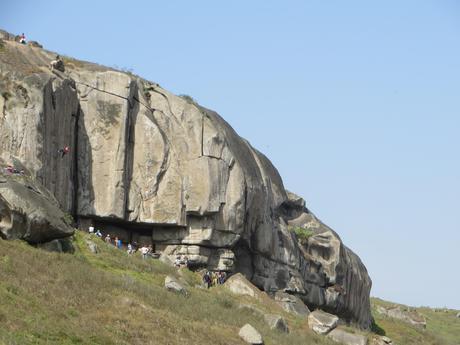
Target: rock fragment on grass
[[321, 322], [346, 338], [276, 322], [250, 335], [171, 284]]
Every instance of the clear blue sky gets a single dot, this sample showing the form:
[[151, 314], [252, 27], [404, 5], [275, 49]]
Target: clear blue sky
[[357, 104]]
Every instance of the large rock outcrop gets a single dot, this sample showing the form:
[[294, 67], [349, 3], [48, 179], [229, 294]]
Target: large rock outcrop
[[146, 165], [30, 212]]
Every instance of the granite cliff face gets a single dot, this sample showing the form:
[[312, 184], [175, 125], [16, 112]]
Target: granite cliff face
[[148, 166]]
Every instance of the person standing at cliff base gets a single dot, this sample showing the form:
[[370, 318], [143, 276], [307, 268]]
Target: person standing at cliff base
[[130, 249], [144, 252]]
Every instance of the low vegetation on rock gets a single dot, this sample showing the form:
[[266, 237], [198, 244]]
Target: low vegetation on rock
[[303, 234]]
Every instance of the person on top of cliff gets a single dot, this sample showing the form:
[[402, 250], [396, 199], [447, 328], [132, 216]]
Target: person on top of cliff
[[22, 39], [58, 64], [64, 151]]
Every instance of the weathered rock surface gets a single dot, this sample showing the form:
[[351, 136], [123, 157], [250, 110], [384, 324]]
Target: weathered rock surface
[[239, 285], [250, 335], [397, 312], [291, 304], [321, 322], [147, 165], [173, 285], [276, 322], [30, 212], [381, 340], [58, 245], [346, 338]]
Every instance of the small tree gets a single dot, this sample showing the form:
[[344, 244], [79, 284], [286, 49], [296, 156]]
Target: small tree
[[302, 234]]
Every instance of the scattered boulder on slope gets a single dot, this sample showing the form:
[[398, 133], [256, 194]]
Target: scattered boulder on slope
[[172, 284], [397, 312], [250, 335], [291, 304], [30, 212], [276, 322], [63, 245], [381, 340], [346, 338], [321, 322], [239, 285]]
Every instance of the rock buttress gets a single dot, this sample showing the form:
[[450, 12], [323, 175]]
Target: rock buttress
[[144, 159]]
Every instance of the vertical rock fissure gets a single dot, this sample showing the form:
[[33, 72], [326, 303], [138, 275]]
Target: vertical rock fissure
[[131, 117], [202, 135], [75, 164]]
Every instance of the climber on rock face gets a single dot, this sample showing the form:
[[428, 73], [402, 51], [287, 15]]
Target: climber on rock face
[[64, 151]]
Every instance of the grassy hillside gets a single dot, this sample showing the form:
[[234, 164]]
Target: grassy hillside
[[443, 327], [110, 298]]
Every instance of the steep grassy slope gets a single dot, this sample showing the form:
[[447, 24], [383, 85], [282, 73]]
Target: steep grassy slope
[[443, 327], [108, 298]]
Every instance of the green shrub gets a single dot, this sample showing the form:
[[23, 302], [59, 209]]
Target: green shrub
[[303, 234]]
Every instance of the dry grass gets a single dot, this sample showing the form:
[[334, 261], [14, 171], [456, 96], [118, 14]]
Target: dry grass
[[16, 61], [443, 328], [110, 298]]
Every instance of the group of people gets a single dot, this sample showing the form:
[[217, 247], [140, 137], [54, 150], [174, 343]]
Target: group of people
[[210, 278], [214, 278], [97, 232], [146, 251], [115, 241]]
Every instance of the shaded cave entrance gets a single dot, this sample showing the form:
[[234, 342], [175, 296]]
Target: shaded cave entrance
[[138, 234]]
